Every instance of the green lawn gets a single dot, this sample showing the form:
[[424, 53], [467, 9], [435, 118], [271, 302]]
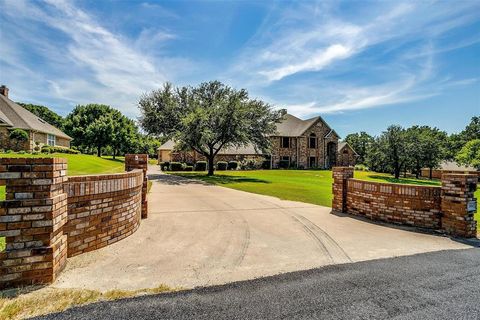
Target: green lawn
[[311, 186], [79, 164]]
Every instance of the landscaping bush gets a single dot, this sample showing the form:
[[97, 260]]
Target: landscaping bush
[[176, 166], [232, 165], [201, 166], [361, 167], [188, 168], [222, 165], [51, 149], [266, 164], [164, 165], [283, 164]]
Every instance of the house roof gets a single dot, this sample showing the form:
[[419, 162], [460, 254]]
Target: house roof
[[247, 150], [18, 117], [167, 145], [344, 144], [453, 166], [290, 126]]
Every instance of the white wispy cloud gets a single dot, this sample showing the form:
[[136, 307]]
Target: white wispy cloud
[[326, 45], [104, 67]]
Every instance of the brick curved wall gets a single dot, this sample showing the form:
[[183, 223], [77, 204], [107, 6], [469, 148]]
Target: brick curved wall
[[102, 209], [402, 204]]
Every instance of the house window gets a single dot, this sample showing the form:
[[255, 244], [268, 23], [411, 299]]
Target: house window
[[285, 142], [312, 141], [312, 162], [345, 151], [51, 140]]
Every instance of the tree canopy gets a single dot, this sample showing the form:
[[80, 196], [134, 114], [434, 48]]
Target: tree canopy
[[470, 154], [360, 142], [46, 114], [208, 118], [100, 127], [399, 150]]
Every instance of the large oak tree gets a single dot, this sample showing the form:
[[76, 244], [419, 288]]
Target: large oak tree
[[208, 118]]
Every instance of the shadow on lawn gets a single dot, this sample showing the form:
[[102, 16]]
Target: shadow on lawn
[[219, 179], [403, 180]]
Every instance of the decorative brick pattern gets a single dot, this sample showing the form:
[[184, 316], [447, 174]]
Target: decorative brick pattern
[[139, 161], [102, 209], [32, 220], [47, 216], [430, 207], [395, 203], [457, 192]]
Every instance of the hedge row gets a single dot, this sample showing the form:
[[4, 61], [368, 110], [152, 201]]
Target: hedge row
[[199, 166]]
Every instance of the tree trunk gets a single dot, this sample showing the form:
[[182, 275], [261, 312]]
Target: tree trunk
[[431, 173], [114, 153], [99, 151], [210, 165], [397, 172]]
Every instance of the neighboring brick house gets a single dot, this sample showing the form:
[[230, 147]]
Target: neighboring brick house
[[307, 143], [13, 116], [347, 157]]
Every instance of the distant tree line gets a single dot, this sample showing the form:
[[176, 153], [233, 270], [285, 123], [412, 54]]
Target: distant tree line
[[400, 150], [99, 129]]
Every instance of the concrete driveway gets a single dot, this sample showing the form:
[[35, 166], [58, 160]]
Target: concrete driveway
[[198, 234]]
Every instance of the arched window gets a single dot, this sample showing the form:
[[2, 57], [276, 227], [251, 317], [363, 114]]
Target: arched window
[[312, 141]]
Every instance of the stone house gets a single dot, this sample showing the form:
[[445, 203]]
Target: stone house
[[307, 143], [13, 116], [347, 157]]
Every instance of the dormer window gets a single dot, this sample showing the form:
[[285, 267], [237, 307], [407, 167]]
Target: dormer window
[[312, 141], [51, 140], [285, 142]]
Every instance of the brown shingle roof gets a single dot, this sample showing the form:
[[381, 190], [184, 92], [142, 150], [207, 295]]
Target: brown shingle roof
[[290, 126], [17, 117], [343, 144]]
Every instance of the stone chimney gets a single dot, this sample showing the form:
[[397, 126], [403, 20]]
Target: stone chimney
[[4, 90]]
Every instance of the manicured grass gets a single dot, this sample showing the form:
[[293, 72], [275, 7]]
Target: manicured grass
[[311, 186], [79, 164]]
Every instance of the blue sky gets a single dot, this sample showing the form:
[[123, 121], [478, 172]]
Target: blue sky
[[362, 65]]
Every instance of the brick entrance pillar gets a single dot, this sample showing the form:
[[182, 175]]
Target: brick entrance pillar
[[139, 161], [31, 220], [458, 204], [340, 178]]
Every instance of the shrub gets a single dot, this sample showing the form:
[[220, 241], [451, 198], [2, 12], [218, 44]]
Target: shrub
[[232, 165], [361, 167], [222, 165], [266, 164], [176, 166], [283, 164], [52, 149], [201, 166], [188, 168], [164, 165], [19, 136]]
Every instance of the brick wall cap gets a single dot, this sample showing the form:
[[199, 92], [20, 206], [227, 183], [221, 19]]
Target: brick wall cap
[[107, 176], [397, 184], [459, 175], [343, 169], [32, 161]]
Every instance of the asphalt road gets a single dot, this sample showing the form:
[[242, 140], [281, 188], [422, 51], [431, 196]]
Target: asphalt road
[[439, 285]]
